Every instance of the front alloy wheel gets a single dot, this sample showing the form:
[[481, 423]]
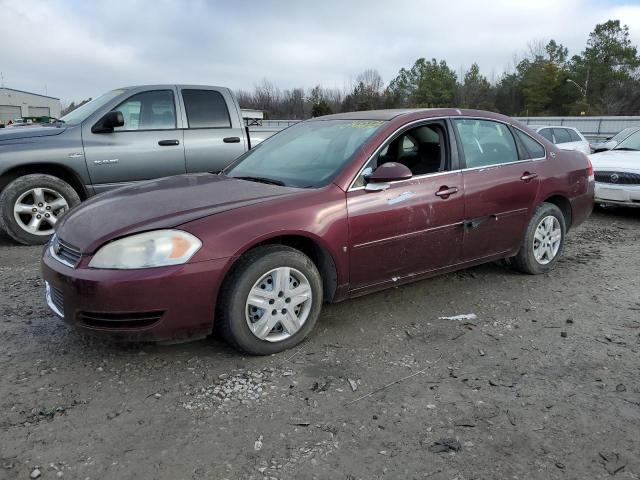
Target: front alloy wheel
[[270, 301], [279, 304], [37, 210]]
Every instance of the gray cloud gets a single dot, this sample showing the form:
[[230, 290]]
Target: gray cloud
[[80, 49]]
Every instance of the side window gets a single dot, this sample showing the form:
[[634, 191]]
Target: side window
[[562, 135], [153, 110], [532, 148], [206, 109], [546, 133], [422, 149], [574, 136], [485, 142]]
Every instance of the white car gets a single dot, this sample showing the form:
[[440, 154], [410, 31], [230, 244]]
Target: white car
[[566, 138], [614, 141], [617, 173]]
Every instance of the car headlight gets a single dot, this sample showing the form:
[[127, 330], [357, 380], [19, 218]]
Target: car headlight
[[147, 250]]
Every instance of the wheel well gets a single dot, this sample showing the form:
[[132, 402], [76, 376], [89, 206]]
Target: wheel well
[[318, 255], [564, 205], [63, 173]]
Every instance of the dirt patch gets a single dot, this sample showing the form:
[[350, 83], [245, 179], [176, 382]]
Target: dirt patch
[[543, 383]]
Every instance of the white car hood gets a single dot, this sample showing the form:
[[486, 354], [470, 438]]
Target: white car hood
[[619, 160]]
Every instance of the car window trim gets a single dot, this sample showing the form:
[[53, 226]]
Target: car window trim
[[458, 147], [175, 112], [406, 126], [186, 111], [546, 153], [514, 139]]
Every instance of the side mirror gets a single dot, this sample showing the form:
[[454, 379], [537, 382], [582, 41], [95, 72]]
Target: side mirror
[[390, 172], [107, 123]]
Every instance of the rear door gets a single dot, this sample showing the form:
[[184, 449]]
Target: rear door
[[149, 145], [213, 135], [500, 187], [412, 227]]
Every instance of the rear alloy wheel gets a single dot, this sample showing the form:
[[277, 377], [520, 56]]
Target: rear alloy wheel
[[547, 240], [30, 207], [543, 241], [270, 301]]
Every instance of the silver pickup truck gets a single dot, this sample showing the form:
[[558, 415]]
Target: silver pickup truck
[[124, 136]]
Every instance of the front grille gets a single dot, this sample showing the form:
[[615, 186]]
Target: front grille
[[65, 253], [618, 178], [119, 320]]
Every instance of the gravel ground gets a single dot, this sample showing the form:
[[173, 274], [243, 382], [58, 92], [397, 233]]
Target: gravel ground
[[542, 384]]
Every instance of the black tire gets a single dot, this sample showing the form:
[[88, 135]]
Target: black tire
[[231, 320], [12, 193], [525, 260]]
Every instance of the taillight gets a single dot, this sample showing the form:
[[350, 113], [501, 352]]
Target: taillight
[[590, 169]]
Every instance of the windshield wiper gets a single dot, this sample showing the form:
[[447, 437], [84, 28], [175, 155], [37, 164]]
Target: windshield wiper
[[269, 181], [628, 149]]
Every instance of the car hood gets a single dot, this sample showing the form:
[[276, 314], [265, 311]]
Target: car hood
[[616, 159], [14, 133], [158, 204]]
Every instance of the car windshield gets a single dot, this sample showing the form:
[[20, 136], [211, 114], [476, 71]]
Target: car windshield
[[630, 143], [81, 113], [307, 154], [622, 135]]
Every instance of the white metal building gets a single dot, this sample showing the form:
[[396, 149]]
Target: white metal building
[[16, 104]]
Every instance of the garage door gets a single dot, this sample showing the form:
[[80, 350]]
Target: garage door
[[38, 111], [9, 112]]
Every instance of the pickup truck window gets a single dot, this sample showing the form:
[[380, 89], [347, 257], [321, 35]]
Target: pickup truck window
[[154, 110], [81, 113], [307, 154], [206, 109]]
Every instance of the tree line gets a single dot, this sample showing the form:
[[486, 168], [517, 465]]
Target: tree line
[[604, 79]]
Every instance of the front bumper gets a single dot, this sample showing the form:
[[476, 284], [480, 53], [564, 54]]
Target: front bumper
[[155, 304], [612, 194]]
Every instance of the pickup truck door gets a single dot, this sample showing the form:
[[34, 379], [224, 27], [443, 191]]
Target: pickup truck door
[[214, 135], [149, 145]]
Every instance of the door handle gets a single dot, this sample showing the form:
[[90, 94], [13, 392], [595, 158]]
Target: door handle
[[445, 191], [168, 143], [527, 177], [231, 139]]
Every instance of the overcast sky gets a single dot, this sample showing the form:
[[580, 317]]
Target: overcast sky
[[77, 49]]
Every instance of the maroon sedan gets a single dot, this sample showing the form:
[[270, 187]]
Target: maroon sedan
[[328, 209]]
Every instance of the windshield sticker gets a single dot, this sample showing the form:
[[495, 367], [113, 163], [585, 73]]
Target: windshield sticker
[[366, 124]]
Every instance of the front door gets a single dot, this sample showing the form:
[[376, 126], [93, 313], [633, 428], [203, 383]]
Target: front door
[[414, 226], [500, 188], [149, 145]]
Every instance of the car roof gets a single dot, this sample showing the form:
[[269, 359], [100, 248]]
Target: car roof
[[539, 127], [388, 114]]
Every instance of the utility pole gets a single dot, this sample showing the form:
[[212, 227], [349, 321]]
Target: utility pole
[[1, 80]]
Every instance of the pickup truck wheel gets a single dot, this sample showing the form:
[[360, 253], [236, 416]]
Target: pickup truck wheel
[[543, 241], [271, 300], [31, 205]]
